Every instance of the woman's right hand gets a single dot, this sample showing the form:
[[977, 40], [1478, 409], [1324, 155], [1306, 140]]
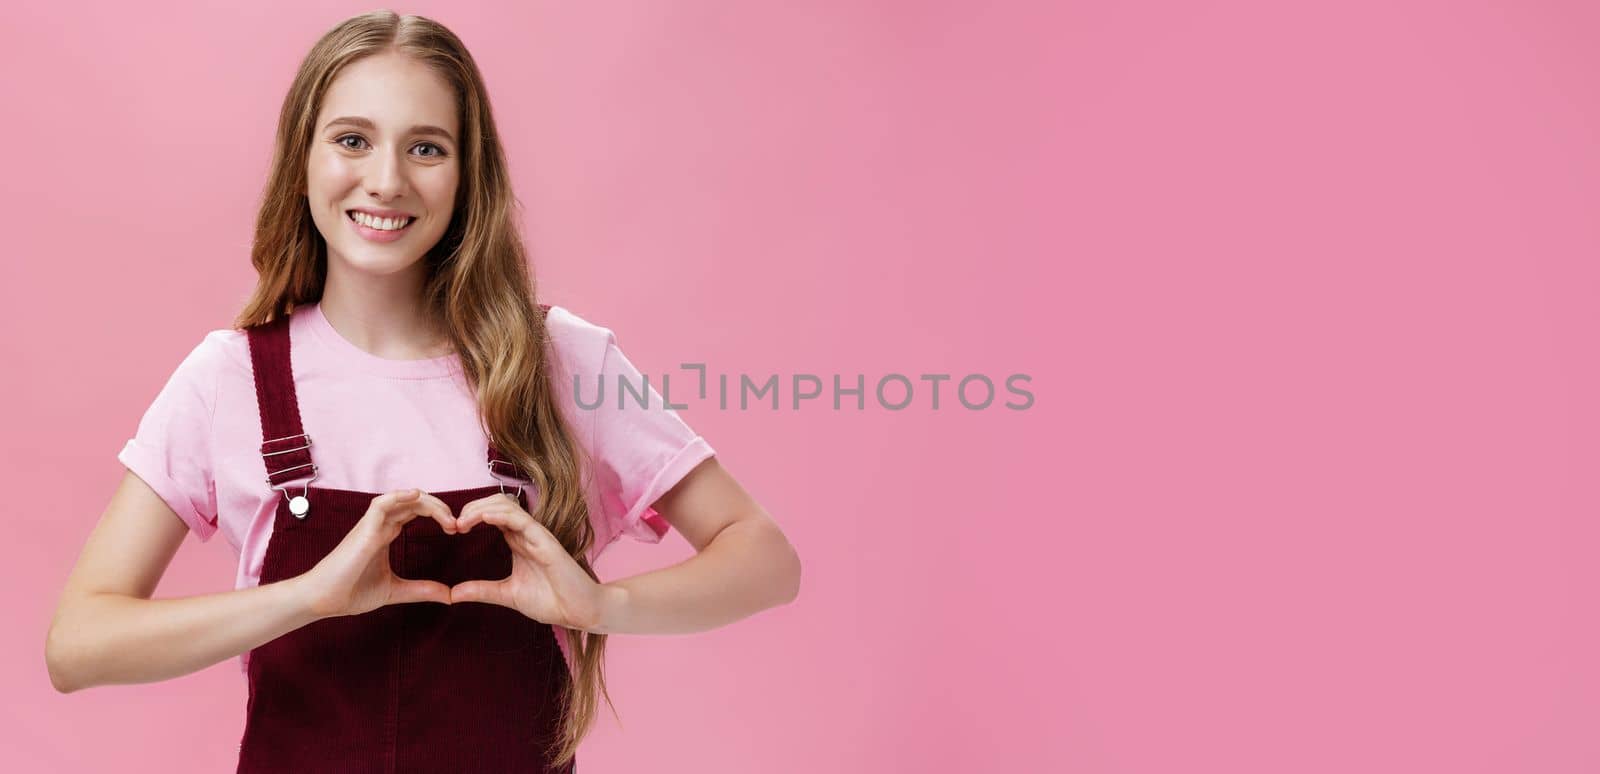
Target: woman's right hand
[[355, 576]]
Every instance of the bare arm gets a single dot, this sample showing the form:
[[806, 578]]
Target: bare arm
[[743, 562], [108, 630]]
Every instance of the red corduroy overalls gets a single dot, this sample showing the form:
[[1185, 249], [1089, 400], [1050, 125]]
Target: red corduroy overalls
[[416, 688]]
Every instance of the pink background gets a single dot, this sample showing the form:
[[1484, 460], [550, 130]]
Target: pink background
[[1307, 296]]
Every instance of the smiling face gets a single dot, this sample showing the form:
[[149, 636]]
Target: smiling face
[[383, 167]]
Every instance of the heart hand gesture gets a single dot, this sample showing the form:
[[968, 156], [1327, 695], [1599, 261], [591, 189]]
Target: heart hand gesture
[[356, 577], [546, 583]]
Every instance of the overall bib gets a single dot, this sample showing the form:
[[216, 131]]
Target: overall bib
[[418, 688]]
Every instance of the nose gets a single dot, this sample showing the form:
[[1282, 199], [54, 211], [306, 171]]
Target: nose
[[386, 177]]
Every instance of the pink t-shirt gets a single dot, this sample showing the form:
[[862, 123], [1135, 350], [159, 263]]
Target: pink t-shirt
[[380, 424]]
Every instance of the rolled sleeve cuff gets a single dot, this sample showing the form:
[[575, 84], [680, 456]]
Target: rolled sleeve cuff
[[149, 467], [641, 521]]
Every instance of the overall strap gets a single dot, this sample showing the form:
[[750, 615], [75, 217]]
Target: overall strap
[[500, 465], [285, 447]]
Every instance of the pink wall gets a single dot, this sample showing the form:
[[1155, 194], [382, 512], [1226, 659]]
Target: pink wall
[[1307, 298]]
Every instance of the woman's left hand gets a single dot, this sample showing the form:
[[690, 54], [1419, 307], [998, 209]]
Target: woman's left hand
[[546, 583]]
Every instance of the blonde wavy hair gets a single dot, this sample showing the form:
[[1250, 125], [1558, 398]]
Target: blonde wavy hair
[[478, 286]]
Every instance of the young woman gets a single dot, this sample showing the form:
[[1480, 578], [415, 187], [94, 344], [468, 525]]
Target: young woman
[[389, 438]]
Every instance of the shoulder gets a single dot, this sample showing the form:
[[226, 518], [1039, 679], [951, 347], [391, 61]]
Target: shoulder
[[579, 344], [223, 351], [220, 353], [567, 327], [192, 387]]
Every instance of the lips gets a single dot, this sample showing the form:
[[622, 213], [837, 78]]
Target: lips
[[375, 234]]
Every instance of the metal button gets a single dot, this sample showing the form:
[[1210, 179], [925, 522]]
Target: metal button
[[299, 505]]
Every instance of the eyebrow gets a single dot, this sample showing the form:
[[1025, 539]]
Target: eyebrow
[[366, 124]]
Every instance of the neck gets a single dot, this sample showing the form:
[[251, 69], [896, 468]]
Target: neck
[[382, 314]]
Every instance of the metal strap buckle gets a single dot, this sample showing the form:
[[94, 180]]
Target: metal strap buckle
[[307, 445], [300, 504], [498, 479], [298, 509], [311, 465], [286, 451]]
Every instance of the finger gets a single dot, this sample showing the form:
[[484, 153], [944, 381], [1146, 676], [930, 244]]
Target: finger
[[414, 503], [512, 518], [393, 501], [406, 590], [376, 519], [390, 498], [496, 500], [466, 511], [533, 540], [440, 511], [492, 592], [473, 512]]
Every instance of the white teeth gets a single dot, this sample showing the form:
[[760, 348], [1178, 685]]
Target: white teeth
[[381, 224]]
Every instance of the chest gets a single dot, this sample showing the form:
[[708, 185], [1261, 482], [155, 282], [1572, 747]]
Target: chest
[[367, 433]]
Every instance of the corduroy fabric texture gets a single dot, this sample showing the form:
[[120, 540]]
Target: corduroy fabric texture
[[405, 689]]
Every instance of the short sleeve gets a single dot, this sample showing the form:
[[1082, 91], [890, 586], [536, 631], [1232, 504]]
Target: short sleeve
[[643, 447], [171, 449]]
